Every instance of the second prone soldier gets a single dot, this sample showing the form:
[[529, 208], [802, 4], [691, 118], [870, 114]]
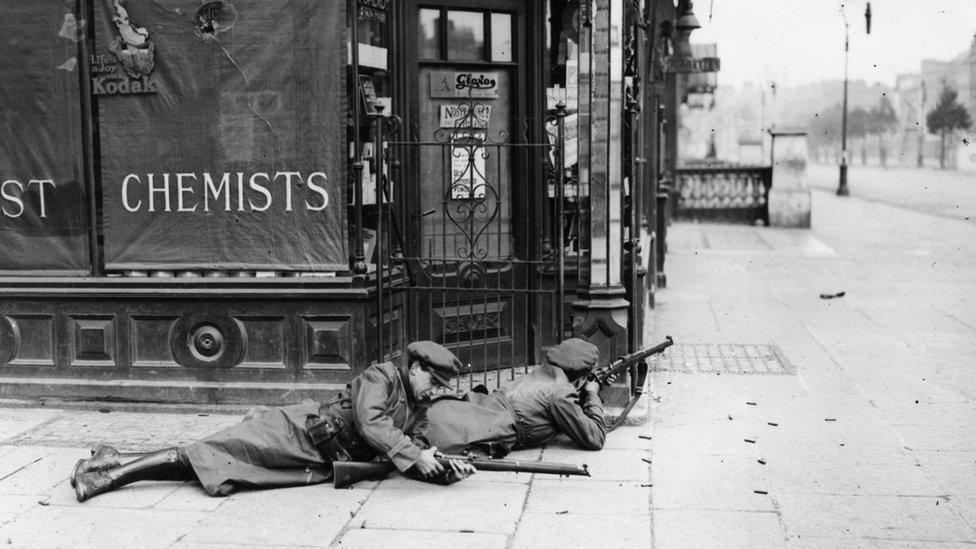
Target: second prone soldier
[[529, 411]]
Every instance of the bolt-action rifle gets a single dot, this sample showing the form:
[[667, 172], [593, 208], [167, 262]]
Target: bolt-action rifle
[[347, 473], [604, 376]]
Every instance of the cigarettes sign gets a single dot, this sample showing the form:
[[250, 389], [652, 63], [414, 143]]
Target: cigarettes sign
[[685, 64]]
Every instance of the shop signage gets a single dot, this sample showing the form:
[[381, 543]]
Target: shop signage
[[464, 116], [43, 201], [12, 196], [126, 70], [451, 84], [226, 192], [468, 166], [686, 64], [373, 10]]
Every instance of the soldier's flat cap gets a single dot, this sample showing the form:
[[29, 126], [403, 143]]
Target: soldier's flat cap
[[574, 356], [439, 361]]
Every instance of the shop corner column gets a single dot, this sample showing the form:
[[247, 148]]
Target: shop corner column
[[600, 311]]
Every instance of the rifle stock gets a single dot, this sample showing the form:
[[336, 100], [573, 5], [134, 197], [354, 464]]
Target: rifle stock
[[347, 473]]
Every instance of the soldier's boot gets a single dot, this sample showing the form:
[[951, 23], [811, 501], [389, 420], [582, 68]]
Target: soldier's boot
[[169, 464], [103, 457]]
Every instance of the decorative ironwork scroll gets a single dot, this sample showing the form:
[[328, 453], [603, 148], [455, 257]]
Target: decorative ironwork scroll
[[472, 199]]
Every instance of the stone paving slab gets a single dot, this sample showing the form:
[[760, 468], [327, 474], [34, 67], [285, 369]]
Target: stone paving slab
[[420, 539], [941, 436], [952, 471], [486, 507], [710, 482], [558, 531], [14, 421], [57, 526], [588, 497], [126, 431], [301, 516], [719, 529], [882, 517], [861, 475]]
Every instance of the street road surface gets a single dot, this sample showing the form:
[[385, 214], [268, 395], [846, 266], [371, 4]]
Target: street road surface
[[945, 193]]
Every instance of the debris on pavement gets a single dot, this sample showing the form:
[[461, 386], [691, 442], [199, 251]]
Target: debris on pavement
[[763, 492], [761, 461], [561, 512], [830, 419], [645, 460], [751, 403], [749, 440], [645, 437], [832, 296], [772, 424]]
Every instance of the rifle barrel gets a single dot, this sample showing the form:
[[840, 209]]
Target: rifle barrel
[[487, 464]]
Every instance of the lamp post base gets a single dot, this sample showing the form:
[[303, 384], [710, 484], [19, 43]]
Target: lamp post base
[[842, 189]]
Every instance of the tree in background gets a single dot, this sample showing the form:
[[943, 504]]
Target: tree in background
[[824, 133], [857, 128], [947, 116], [882, 119]]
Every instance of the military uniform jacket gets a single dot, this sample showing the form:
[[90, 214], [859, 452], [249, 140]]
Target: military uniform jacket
[[383, 408], [476, 423], [274, 449], [546, 404]]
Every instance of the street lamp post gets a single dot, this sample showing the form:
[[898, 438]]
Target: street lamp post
[[842, 189]]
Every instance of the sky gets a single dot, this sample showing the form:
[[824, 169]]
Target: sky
[[793, 42]]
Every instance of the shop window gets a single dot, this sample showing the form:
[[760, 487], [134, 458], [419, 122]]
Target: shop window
[[428, 37], [465, 35], [501, 37]]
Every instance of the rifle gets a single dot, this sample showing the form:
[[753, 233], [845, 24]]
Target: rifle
[[347, 473], [604, 375]]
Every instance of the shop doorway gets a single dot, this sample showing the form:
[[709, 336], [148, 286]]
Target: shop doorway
[[477, 277]]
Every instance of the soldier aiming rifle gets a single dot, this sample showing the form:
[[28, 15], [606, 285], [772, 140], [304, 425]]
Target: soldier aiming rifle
[[534, 408]]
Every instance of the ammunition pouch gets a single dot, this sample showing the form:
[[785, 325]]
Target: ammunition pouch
[[333, 434]]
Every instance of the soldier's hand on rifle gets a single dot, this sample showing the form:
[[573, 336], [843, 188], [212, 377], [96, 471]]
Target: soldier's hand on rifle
[[460, 470], [591, 387], [427, 465]]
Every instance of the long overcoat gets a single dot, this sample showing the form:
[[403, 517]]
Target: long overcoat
[[274, 449]]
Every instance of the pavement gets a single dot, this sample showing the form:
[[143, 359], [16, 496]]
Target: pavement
[[778, 419]]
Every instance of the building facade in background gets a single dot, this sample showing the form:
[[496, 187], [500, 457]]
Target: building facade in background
[[244, 201]]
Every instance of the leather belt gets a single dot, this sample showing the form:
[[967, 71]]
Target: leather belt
[[520, 438]]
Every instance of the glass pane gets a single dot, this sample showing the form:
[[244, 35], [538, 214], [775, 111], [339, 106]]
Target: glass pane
[[465, 35], [428, 41], [501, 37]]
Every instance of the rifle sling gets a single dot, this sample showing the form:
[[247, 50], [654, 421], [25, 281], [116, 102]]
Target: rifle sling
[[625, 412]]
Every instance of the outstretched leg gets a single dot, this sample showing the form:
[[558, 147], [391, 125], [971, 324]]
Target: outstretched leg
[[103, 457], [169, 464]]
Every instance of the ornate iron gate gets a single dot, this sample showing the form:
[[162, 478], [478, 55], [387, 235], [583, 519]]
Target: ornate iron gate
[[484, 281]]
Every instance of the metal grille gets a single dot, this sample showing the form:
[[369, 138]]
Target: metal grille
[[486, 285], [726, 358]]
